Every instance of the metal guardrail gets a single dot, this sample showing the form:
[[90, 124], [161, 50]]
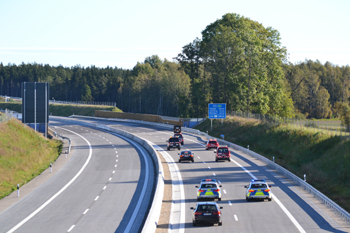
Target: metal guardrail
[[317, 194], [58, 135]]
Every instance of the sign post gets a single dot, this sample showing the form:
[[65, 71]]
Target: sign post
[[216, 111]]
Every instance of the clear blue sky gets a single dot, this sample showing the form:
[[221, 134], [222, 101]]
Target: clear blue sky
[[122, 33]]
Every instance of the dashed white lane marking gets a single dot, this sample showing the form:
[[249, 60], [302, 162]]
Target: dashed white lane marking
[[290, 216], [214, 174], [115, 165], [116, 151], [209, 167], [110, 142], [229, 203], [97, 198], [116, 160], [113, 172], [104, 187], [235, 217], [71, 228], [86, 211], [110, 179], [203, 161], [224, 191], [198, 157]]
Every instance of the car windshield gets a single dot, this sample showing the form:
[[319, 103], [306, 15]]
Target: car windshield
[[173, 140], [186, 152], [206, 208], [207, 186], [258, 186], [223, 150]]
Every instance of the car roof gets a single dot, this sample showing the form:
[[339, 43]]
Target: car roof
[[206, 203], [208, 181], [262, 181]]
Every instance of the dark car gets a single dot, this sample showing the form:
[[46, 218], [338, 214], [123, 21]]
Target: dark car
[[181, 138], [222, 153], [206, 212], [186, 155], [173, 143]]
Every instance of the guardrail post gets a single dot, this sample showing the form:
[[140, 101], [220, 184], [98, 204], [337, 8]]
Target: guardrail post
[[17, 190], [273, 158], [50, 167], [248, 147], [305, 177]]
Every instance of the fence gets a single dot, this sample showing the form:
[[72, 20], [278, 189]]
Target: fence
[[113, 104], [333, 127], [6, 115]]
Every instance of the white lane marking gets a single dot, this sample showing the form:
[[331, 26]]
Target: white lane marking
[[71, 228], [115, 165], [104, 187], [110, 179], [113, 172], [229, 203], [116, 160], [235, 217], [224, 191], [116, 152], [86, 211], [115, 149], [214, 174], [97, 198], [61, 190], [198, 157], [290, 216], [117, 156], [219, 181], [209, 167], [113, 145], [110, 142], [203, 161]]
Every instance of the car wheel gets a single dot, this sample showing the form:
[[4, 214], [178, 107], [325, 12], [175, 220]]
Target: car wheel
[[270, 199], [182, 143], [206, 148], [248, 199], [220, 224], [229, 160], [219, 199], [179, 160], [168, 148], [192, 160], [194, 223], [216, 160]]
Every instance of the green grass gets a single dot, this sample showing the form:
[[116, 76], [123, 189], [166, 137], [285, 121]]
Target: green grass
[[64, 109], [324, 158], [24, 154]]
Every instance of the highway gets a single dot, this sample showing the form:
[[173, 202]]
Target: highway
[[77, 210], [291, 210], [106, 186]]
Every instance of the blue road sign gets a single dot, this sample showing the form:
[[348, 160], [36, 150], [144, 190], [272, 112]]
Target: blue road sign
[[217, 111]]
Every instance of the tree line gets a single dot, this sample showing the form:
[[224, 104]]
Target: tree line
[[237, 61]]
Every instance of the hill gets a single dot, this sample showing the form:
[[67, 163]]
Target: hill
[[24, 154]]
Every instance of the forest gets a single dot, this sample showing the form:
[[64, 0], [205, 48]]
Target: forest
[[237, 61]]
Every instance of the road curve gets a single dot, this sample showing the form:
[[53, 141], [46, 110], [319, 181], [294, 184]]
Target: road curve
[[106, 186], [292, 209]]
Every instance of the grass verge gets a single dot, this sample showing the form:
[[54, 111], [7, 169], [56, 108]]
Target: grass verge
[[24, 154], [324, 158]]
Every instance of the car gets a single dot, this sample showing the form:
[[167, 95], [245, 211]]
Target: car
[[258, 189], [209, 189], [222, 153], [206, 212], [211, 143], [181, 138], [173, 143], [186, 155]]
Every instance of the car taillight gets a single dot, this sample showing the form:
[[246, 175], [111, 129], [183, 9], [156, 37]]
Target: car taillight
[[197, 213], [201, 190], [217, 190], [267, 190], [216, 213], [191, 155], [181, 156], [251, 190]]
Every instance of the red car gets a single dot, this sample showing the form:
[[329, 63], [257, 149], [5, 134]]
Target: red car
[[180, 137], [212, 143], [222, 153]]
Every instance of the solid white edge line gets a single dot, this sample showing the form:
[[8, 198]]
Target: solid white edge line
[[289, 215], [235, 217], [61, 190]]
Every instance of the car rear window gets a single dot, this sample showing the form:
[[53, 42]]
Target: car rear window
[[258, 186], [207, 186], [207, 208], [212, 142], [173, 140], [186, 152], [222, 150]]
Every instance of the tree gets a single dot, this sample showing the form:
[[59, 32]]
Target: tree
[[86, 93]]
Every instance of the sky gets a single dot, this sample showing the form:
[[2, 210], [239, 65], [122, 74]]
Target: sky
[[119, 33]]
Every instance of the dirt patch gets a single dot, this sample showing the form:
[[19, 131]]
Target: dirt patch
[[163, 224]]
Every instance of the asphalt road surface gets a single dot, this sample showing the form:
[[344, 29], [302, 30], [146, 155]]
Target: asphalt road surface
[[106, 186]]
